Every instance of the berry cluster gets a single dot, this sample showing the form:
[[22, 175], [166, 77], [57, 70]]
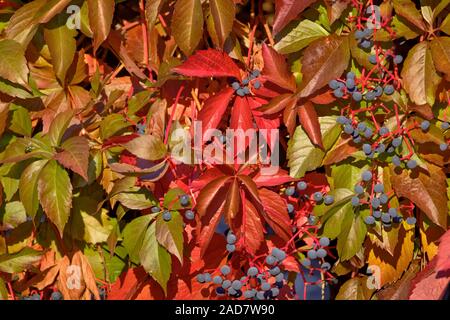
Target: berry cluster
[[167, 215], [243, 89], [260, 282], [318, 252]]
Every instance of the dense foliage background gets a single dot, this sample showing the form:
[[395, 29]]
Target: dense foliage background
[[95, 206]]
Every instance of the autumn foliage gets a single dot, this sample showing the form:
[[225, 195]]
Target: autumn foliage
[[349, 99]]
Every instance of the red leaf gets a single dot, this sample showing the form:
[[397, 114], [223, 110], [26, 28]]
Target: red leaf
[[117, 141], [209, 63], [276, 213], [208, 196], [281, 177], [241, 116], [443, 256], [310, 123], [251, 229], [276, 69], [429, 284], [213, 110], [288, 10]]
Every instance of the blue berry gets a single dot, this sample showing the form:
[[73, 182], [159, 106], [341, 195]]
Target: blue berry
[[207, 277], [338, 93], [256, 73], [312, 254], [378, 91], [398, 59], [342, 120], [252, 271], [245, 81], [357, 96], [217, 280], [167, 216], [301, 185], [368, 133], [279, 277], [445, 125], [240, 92], [189, 214], [386, 218], [350, 83], [368, 33], [366, 175], [357, 140], [275, 292], [328, 199], [249, 294], [184, 200], [348, 129], [306, 263], [392, 212], [373, 59], [225, 270], [411, 221], [375, 203], [366, 44], [397, 219], [369, 220], [367, 148], [155, 209], [257, 85], [390, 150], [226, 284], [260, 295], [317, 196], [379, 187], [321, 253], [397, 142], [289, 191], [279, 254], [231, 291], [376, 214], [236, 285], [389, 89], [201, 278], [381, 148], [274, 271], [270, 260], [443, 146], [230, 247], [324, 241], [326, 266], [425, 125], [290, 208], [265, 286], [384, 198], [359, 34], [383, 131], [411, 164], [396, 161], [235, 85], [351, 75], [361, 126], [355, 201], [333, 84], [246, 90], [369, 96], [56, 295]]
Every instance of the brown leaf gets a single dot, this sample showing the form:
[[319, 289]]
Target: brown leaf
[[187, 24], [276, 69], [275, 213], [288, 10], [233, 202], [325, 59], [75, 155], [208, 195], [101, 13], [440, 50], [428, 192], [223, 12]]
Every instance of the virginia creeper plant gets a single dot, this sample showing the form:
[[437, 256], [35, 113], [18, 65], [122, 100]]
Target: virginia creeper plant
[[224, 149]]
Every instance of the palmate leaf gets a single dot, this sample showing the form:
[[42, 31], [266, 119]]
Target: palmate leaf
[[75, 155], [303, 155], [55, 193], [28, 186], [353, 233], [169, 234], [276, 69], [14, 65], [20, 261], [133, 235], [147, 147], [408, 10]]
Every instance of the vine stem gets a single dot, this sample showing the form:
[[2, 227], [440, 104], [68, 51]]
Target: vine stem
[[172, 115]]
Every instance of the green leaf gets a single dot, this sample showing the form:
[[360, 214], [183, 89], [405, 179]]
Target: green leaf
[[303, 155], [336, 217], [155, 259], [419, 75], [113, 124], [187, 24], [61, 44], [28, 187], [170, 234], [300, 37], [341, 197], [101, 13], [3, 290], [147, 147], [222, 12], [133, 235], [445, 25], [58, 127], [20, 120], [55, 194], [25, 148], [347, 174], [352, 236], [171, 199], [20, 261], [75, 155], [14, 214], [14, 64], [14, 90], [50, 10], [136, 198]]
